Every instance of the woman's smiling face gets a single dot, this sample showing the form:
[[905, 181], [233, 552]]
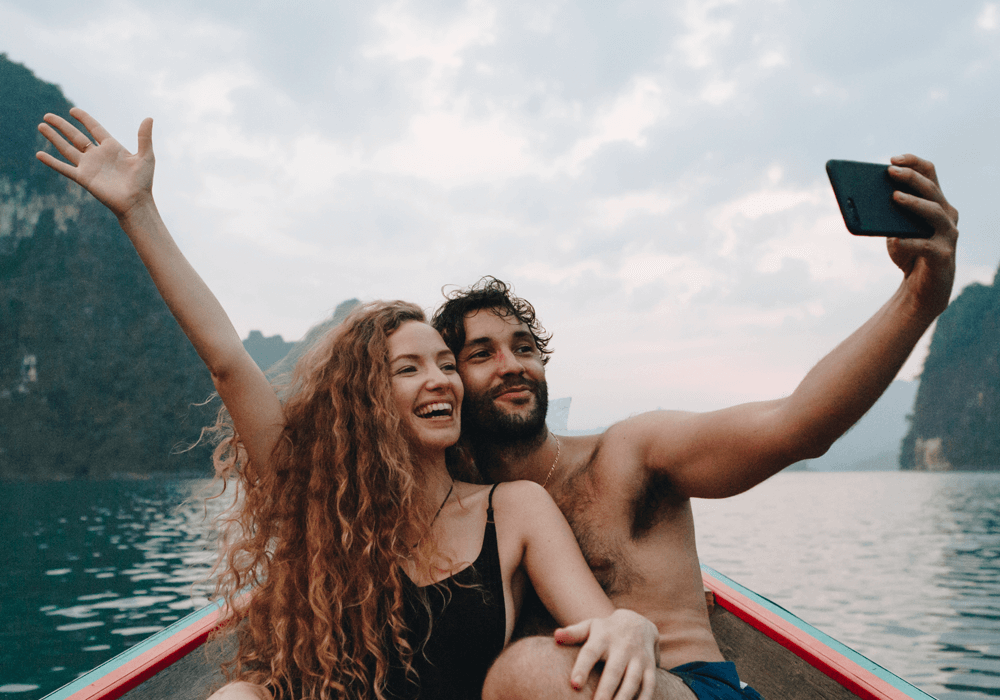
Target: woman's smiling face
[[425, 386]]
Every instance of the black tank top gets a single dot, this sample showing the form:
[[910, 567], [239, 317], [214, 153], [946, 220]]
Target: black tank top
[[468, 627]]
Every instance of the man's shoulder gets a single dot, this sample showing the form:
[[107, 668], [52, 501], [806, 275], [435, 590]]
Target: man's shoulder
[[641, 427], [626, 445]]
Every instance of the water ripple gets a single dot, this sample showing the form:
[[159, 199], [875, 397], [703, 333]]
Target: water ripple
[[95, 567], [903, 567]]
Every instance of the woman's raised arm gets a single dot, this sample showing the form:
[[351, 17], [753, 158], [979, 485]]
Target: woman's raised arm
[[123, 182]]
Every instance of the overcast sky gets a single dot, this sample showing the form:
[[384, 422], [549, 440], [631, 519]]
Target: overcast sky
[[649, 174]]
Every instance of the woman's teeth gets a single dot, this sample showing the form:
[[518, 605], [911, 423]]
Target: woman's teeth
[[434, 409]]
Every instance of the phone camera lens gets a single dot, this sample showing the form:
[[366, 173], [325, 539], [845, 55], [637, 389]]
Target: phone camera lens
[[852, 211]]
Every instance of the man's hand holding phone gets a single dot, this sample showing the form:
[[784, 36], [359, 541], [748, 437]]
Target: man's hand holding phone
[[928, 265]]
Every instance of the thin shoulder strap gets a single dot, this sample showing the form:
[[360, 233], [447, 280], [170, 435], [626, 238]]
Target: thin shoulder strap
[[489, 506]]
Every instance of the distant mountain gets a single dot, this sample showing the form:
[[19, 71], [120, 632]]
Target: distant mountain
[[956, 418], [287, 363], [95, 376], [266, 351], [25, 101], [277, 357]]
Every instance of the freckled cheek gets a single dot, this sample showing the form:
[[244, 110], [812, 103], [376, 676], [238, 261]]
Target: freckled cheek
[[402, 397]]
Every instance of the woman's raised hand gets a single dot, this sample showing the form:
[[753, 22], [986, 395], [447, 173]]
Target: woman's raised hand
[[118, 179]]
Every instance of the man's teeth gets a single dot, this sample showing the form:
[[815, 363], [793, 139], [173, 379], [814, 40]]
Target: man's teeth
[[434, 408]]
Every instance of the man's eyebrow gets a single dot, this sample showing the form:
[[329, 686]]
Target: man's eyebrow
[[485, 340]]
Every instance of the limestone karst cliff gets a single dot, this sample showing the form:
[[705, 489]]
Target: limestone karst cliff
[[956, 417], [95, 376]]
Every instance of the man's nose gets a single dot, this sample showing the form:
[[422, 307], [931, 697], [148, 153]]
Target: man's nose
[[507, 363]]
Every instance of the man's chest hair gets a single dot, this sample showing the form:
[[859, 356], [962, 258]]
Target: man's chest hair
[[611, 511]]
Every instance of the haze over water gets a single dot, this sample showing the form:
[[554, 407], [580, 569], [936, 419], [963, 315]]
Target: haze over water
[[903, 567]]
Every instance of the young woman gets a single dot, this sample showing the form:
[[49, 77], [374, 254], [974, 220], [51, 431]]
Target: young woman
[[376, 573]]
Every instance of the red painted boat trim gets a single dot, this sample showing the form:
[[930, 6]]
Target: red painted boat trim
[[859, 680], [131, 674], [846, 672]]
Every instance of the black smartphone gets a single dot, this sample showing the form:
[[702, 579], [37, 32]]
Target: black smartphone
[[864, 193]]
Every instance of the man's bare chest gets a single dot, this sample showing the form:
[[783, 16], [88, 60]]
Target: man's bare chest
[[618, 523]]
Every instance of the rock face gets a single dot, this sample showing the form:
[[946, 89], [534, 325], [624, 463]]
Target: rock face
[[282, 369], [95, 376], [956, 417], [266, 351]]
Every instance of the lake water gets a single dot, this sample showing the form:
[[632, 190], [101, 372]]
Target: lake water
[[903, 567], [87, 569]]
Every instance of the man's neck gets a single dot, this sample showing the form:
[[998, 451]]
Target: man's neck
[[509, 460]]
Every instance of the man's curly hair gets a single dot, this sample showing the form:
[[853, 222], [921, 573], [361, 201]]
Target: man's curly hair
[[495, 295]]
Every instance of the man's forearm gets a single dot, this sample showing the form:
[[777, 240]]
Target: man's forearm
[[842, 386]]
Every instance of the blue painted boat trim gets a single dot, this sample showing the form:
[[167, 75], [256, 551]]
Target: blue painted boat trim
[[131, 653], [842, 649]]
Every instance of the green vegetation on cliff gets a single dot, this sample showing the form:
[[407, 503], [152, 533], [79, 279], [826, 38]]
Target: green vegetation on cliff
[[956, 417], [96, 378], [25, 100]]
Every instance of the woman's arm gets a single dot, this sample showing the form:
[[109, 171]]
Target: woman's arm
[[624, 640], [123, 182]]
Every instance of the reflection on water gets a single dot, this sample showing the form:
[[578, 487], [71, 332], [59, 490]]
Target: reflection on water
[[91, 568], [903, 567]]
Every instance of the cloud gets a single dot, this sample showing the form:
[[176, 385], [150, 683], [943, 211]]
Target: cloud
[[649, 174], [204, 96], [407, 34], [612, 212], [706, 34], [626, 119], [989, 18]]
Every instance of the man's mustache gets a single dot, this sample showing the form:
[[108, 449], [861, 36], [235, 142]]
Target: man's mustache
[[508, 384]]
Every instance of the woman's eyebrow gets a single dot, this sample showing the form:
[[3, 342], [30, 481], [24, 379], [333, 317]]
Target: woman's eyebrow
[[410, 356]]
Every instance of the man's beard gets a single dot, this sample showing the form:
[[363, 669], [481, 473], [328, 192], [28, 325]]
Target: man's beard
[[483, 419]]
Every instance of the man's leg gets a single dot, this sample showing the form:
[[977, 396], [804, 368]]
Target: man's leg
[[241, 690], [537, 667]]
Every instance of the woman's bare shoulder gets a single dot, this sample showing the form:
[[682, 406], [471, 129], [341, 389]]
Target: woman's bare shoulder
[[505, 490], [522, 498]]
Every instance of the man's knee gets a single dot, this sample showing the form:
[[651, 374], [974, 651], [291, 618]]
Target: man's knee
[[670, 687], [537, 667], [241, 690], [531, 668]]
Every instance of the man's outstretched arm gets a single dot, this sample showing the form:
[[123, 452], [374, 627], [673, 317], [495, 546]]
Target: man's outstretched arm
[[721, 453]]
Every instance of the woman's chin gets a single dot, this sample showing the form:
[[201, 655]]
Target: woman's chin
[[430, 439]]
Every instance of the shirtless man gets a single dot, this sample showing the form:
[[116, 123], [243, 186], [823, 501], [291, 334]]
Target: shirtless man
[[627, 492]]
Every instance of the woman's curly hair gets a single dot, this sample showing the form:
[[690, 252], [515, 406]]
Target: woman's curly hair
[[321, 532]]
